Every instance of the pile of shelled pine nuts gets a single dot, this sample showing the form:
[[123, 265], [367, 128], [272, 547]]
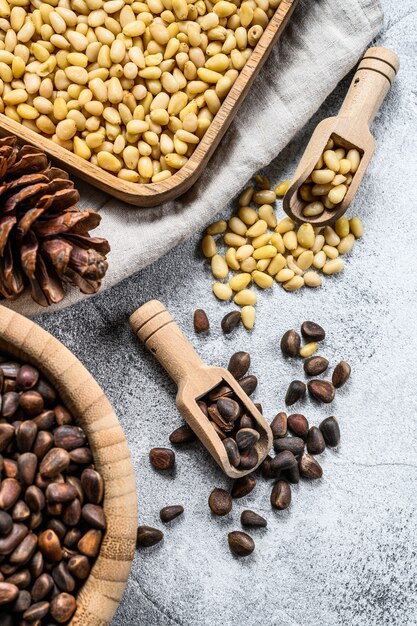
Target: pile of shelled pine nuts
[[131, 86], [260, 250]]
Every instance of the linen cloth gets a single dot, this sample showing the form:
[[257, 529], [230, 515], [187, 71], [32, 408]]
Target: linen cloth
[[320, 44]]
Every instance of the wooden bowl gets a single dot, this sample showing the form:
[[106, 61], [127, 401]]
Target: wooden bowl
[[99, 597]]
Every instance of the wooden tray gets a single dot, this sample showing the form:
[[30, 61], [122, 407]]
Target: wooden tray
[[155, 193], [100, 595]]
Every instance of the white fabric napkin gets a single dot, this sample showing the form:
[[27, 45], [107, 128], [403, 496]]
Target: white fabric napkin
[[321, 43]]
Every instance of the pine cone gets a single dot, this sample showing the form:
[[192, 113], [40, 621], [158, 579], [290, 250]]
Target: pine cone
[[44, 237]]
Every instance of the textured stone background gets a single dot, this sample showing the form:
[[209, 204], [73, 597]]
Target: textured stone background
[[344, 553]]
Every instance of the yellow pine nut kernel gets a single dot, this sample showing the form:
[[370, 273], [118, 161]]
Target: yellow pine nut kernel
[[231, 259], [264, 281], [248, 265], [339, 179], [331, 161], [299, 250], [330, 251], [356, 227], [276, 265], [341, 226], [312, 279], [318, 243], [259, 228], [346, 244], [237, 226], [313, 208], [266, 213], [292, 265], [290, 240], [248, 316], [246, 196], [285, 225], [340, 153], [236, 241], [260, 241], [305, 236], [240, 281], [245, 297], [294, 283], [333, 267], [337, 194], [244, 252], [247, 215], [278, 242], [208, 246], [321, 177], [309, 349], [262, 264], [306, 193], [282, 188], [330, 236], [219, 266], [265, 252], [222, 291], [344, 166], [284, 275], [265, 196], [319, 259], [108, 161], [305, 260], [354, 157], [217, 228]]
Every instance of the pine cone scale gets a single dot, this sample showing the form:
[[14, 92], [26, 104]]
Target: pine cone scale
[[44, 237]]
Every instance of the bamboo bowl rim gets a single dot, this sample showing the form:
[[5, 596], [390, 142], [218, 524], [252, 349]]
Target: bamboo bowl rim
[[101, 593]]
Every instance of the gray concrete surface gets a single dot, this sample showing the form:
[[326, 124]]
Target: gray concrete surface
[[344, 554]]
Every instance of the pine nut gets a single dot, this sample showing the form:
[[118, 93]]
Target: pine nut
[[312, 279], [319, 260], [305, 236], [264, 281], [309, 349], [231, 259], [217, 228], [208, 245], [356, 227], [231, 239], [244, 252], [285, 225], [248, 316], [248, 265], [266, 213], [264, 196], [333, 267], [294, 283], [318, 243], [265, 252], [290, 240], [237, 226], [342, 226], [282, 188], [222, 291], [346, 244], [240, 281], [247, 215], [261, 241], [219, 266], [245, 297], [330, 236], [276, 264], [305, 259], [330, 251], [284, 275]]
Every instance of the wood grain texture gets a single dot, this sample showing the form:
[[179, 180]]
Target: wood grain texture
[[146, 195], [350, 129], [100, 595], [155, 327]]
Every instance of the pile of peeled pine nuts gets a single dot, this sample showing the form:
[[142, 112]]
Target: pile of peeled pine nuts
[[131, 86], [328, 183], [258, 250]]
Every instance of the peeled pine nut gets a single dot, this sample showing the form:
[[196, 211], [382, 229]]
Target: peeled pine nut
[[261, 241], [244, 252], [248, 265], [265, 252], [219, 266], [217, 228], [266, 213], [231, 239], [313, 208], [305, 259], [284, 275], [282, 188], [294, 283], [331, 252], [208, 246], [237, 226], [305, 235], [247, 215], [264, 281], [337, 194], [290, 240], [354, 157], [333, 267], [231, 259], [246, 196], [262, 264], [309, 349], [245, 297], [265, 196], [292, 265], [346, 244], [356, 227], [285, 225], [342, 226], [276, 264], [330, 236], [259, 228], [319, 260], [222, 291], [248, 316], [240, 281], [318, 244], [312, 279]]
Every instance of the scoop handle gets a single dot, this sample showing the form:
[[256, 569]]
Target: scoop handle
[[158, 331], [371, 83]]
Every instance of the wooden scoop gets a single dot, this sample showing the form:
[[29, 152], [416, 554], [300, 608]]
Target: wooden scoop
[[158, 331], [349, 129]]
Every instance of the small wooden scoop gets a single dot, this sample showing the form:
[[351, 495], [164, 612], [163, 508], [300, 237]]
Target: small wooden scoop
[[349, 129], [158, 331]]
